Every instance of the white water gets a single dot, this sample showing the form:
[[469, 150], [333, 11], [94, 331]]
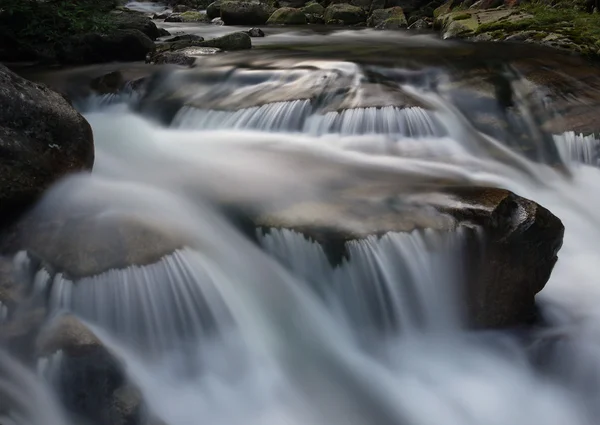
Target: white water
[[286, 351]]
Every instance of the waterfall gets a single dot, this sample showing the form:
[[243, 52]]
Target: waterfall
[[278, 116], [25, 400], [410, 122], [397, 281], [230, 319], [579, 148]]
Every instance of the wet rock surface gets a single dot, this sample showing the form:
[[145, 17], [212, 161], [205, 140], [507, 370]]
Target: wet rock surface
[[42, 138], [244, 12], [287, 16], [505, 268]]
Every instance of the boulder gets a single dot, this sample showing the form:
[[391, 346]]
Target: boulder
[[391, 18], [163, 32], [313, 9], [188, 17], [311, 18], [214, 10], [175, 17], [296, 4], [420, 24], [234, 41], [504, 269], [287, 16], [255, 32], [218, 21], [163, 15], [108, 83], [345, 13], [125, 45], [184, 57], [245, 12], [174, 58], [377, 4], [129, 20], [89, 381], [184, 37], [42, 138]]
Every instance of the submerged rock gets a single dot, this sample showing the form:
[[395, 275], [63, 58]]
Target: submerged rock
[[287, 16], [255, 32], [42, 138], [90, 382], [344, 13], [184, 37], [420, 24], [244, 12], [505, 268]]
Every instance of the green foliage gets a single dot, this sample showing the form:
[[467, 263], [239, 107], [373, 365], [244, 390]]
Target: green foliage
[[52, 20]]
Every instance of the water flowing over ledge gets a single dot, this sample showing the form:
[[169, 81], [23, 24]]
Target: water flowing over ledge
[[256, 245]]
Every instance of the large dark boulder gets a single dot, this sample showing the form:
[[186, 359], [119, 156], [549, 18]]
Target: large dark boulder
[[42, 138], [234, 41], [214, 10], [506, 262], [244, 12], [130, 20], [126, 45]]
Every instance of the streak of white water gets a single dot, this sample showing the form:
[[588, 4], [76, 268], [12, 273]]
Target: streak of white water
[[277, 116], [298, 116], [25, 400], [390, 282], [290, 358], [410, 122], [579, 148], [293, 355]]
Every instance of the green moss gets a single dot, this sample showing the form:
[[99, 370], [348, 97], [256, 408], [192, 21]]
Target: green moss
[[581, 27], [462, 16], [192, 16]]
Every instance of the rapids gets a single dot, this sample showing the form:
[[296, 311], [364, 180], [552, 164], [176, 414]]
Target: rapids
[[230, 328]]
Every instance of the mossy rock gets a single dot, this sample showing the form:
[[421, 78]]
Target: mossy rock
[[344, 12], [380, 17], [443, 9], [287, 16], [192, 16], [313, 9], [242, 12]]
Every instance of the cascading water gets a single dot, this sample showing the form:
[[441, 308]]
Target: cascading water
[[269, 327]]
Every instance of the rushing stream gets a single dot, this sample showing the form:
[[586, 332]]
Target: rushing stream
[[229, 328]]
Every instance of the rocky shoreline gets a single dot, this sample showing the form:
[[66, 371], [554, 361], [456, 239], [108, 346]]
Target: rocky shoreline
[[133, 35]]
